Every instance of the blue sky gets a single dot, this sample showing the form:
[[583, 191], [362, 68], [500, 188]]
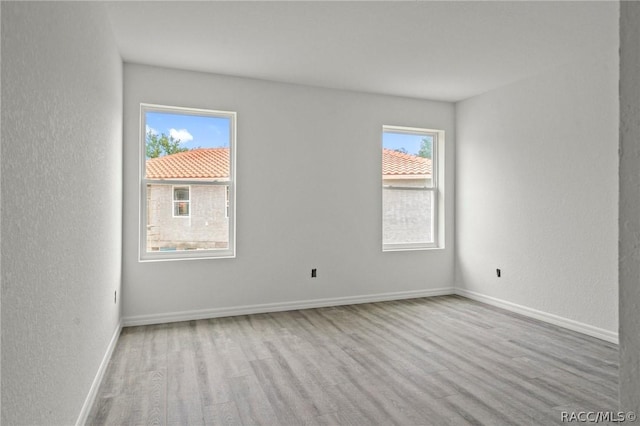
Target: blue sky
[[402, 140], [193, 130]]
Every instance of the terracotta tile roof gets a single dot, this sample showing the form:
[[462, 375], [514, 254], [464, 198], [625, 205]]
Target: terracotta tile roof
[[202, 163], [396, 163], [209, 163]]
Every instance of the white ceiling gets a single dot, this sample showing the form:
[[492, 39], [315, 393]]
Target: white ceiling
[[433, 50]]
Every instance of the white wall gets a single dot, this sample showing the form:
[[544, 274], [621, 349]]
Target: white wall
[[61, 212], [629, 206], [309, 196], [536, 179]]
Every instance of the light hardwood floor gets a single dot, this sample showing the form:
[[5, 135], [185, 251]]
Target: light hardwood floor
[[433, 361]]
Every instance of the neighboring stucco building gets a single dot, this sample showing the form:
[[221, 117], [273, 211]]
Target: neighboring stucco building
[[406, 213], [188, 217], [194, 217]]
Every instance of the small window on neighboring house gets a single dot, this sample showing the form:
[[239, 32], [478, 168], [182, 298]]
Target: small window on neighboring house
[[187, 183], [181, 201], [410, 188]]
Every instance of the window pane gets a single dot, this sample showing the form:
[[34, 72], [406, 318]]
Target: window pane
[[207, 224], [181, 209], [406, 216], [181, 193], [168, 133], [406, 159]]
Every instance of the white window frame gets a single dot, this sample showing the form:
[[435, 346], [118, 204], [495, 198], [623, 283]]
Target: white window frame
[[435, 188], [188, 201], [230, 252]]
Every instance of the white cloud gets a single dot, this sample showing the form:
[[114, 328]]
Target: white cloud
[[183, 135], [152, 130]]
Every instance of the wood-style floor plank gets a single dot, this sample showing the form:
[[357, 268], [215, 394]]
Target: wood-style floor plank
[[184, 402], [430, 361]]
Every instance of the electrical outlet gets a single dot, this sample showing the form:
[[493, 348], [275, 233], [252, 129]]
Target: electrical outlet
[[498, 272], [314, 273], [115, 296]]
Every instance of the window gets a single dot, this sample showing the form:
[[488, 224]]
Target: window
[[180, 201], [410, 188], [187, 183]]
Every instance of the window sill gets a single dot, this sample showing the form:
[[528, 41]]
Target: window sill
[[406, 248], [186, 256]]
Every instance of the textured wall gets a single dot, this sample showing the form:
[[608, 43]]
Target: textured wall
[[308, 196], [537, 190], [629, 206], [61, 211]]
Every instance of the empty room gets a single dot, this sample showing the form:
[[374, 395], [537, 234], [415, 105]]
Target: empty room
[[326, 213]]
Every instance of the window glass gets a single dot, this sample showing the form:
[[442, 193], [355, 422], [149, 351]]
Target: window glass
[[409, 188], [187, 183], [181, 201]]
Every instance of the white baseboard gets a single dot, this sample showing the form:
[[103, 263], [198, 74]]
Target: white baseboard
[[278, 307], [93, 391], [570, 324]]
